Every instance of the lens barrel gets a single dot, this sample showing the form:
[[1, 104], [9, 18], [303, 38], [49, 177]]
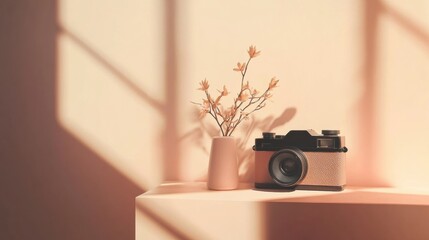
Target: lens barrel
[[288, 166]]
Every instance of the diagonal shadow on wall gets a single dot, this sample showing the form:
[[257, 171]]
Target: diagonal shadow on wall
[[372, 13], [412, 28], [52, 186]]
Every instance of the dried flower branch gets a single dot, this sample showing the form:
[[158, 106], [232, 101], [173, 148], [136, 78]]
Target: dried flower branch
[[248, 100]]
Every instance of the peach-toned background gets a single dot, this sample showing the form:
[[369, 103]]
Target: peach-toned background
[[95, 97]]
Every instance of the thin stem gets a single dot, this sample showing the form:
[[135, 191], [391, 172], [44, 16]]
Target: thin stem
[[214, 114], [258, 107], [243, 75]]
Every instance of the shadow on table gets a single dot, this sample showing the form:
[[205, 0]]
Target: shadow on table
[[347, 215]]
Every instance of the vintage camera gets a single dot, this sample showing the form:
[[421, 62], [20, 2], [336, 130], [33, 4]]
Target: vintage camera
[[301, 159]]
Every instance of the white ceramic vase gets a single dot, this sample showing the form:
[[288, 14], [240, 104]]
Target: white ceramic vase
[[223, 166]]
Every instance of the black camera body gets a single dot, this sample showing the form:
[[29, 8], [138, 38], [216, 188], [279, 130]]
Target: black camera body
[[301, 159]]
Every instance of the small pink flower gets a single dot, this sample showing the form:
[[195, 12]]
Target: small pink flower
[[254, 92], [226, 114], [204, 85], [206, 104], [243, 97], [252, 52], [240, 67], [229, 112], [203, 112], [273, 83]]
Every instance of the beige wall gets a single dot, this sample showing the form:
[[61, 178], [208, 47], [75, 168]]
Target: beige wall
[[358, 66], [101, 91]]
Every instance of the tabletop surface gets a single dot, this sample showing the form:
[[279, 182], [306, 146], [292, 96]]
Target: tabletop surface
[[246, 193]]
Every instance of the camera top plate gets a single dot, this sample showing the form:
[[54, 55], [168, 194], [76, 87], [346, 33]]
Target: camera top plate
[[306, 140]]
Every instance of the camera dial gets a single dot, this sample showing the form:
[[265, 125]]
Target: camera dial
[[268, 135], [331, 132]]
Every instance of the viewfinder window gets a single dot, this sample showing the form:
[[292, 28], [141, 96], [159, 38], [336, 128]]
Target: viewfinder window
[[325, 143]]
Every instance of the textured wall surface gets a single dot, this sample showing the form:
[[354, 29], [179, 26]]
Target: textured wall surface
[[95, 98]]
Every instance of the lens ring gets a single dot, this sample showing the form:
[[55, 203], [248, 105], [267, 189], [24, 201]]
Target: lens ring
[[288, 166]]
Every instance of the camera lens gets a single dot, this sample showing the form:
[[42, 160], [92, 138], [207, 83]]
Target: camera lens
[[288, 166]]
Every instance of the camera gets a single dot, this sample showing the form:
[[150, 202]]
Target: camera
[[301, 159]]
